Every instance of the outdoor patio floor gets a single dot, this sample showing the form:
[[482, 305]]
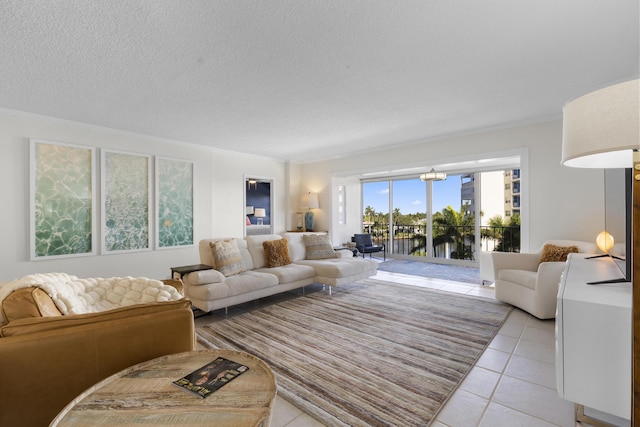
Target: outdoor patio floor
[[431, 270]]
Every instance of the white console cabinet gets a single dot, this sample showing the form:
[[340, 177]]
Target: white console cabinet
[[593, 337]]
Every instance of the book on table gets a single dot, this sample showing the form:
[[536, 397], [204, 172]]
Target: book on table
[[205, 380]]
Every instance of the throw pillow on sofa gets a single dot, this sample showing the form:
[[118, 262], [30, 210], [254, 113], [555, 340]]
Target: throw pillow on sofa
[[28, 302], [276, 252], [318, 246], [555, 253], [226, 257]]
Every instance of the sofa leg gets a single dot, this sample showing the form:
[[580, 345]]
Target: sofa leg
[[324, 287]]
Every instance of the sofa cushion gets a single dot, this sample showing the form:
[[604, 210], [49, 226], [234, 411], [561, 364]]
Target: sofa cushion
[[176, 283], [291, 272], [318, 246], [276, 253], [519, 277], [555, 253], [226, 257], [337, 267], [28, 302], [254, 245], [296, 245], [31, 325], [249, 281], [208, 292]]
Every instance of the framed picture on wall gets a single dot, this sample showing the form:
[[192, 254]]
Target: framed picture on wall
[[62, 200], [126, 201], [174, 203]]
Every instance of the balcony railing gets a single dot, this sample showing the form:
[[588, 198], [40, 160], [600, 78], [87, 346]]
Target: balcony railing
[[448, 242]]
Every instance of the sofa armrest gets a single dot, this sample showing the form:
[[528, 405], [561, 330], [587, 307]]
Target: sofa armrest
[[549, 274], [203, 277], [344, 253]]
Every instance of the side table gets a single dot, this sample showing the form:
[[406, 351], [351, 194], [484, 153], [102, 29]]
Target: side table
[[144, 395], [186, 269]]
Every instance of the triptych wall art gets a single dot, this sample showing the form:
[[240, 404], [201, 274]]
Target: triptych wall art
[[63, 195]]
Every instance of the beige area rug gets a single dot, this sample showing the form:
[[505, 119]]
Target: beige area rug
[[372, 354]]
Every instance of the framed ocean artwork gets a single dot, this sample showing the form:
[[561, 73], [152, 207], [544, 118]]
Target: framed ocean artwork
[[62, 200], [126, 201], [174, 202]]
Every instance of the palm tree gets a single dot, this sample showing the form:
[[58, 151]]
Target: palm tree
[[369, 213], [396, 215], [511, 243], [506, 233], [451, 226], [495, 228]]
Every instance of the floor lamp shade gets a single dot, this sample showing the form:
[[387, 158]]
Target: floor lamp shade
[[602, 128]]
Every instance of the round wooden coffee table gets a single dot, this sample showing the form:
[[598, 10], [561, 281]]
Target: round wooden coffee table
[[144, 394]]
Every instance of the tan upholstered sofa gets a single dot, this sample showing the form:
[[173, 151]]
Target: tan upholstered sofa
[[47, 359], [211, 289]]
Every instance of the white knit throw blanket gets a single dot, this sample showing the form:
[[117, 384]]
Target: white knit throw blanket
[[77, 296]]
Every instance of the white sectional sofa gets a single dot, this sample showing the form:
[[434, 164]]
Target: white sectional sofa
[[211, 290]]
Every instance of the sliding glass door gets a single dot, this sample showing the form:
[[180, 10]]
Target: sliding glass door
[[447, 220]]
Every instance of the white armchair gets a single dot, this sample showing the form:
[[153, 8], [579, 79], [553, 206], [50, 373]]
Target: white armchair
[[525, 282]]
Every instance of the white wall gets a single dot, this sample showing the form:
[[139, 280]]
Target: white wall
[[228, 188], [563, 203], [219, 207]]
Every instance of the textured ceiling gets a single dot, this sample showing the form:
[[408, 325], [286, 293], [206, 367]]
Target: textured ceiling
[[301, 80]]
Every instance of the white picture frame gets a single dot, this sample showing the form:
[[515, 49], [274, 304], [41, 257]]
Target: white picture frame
[[62, 200], [126, 220], [174, 189]]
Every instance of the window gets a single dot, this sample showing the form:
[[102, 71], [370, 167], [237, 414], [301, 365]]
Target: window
[[450, 219]]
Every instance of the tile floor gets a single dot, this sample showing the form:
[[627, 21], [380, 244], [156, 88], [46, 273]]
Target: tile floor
[[512, 384]]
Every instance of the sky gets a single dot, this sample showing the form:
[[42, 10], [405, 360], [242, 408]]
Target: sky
[[410, 195]]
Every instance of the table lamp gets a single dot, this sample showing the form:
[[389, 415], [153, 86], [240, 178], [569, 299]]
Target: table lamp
[[259, 213], [309, 201]]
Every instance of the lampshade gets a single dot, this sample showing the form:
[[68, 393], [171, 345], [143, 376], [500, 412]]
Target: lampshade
[[601, 129], [309, 201], [432, 175], [259, 212]]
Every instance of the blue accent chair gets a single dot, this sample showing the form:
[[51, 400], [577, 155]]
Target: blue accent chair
[[364, 245]]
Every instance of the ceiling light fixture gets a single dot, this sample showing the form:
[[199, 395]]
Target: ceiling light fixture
[[432, 175]]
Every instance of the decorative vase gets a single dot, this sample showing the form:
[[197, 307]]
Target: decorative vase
[[299, 221], [308, 220]]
